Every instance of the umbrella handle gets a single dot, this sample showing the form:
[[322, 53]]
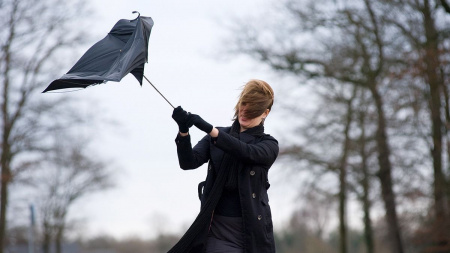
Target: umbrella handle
[[139, 14], [159, 92]]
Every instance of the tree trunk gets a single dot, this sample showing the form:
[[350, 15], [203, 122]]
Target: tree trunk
[[5, 156], [385, 175], [6, 175], [447, 137], [60, 231], [368, 231], [47, 238], [343, 176], [432, 69], [5, 160], [59, 239], [3, 205], [342, 209], [5, 180]]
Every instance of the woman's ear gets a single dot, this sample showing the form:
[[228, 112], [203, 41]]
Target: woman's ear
[[266, 113]]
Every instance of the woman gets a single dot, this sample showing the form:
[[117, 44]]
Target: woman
[[235, 214]]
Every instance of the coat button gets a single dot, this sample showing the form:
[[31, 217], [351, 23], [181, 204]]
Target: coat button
[[253, 195], [252, 173], [209, 167], [259, 217]]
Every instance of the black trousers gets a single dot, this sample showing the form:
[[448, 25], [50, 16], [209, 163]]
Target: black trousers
[[225, 235]]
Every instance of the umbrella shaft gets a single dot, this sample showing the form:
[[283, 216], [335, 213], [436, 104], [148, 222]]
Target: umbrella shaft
[[159, 92]]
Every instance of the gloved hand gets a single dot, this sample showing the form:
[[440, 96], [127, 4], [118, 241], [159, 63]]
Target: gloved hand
[[194, 119], [180, 116]]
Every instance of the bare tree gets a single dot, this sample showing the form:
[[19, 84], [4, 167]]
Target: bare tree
[[32, 37], [297, 236], [352, 51], [69, 173], [316, 211], [425, 30], [333, 126]]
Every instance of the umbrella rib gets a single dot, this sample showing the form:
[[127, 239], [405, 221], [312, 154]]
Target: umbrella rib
[[158, 92]]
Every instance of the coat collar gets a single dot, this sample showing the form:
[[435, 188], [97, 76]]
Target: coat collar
[[248, 135], [245, 137]]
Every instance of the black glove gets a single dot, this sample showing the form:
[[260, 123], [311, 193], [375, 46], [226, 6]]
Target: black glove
[[180, 116], [194, 119]]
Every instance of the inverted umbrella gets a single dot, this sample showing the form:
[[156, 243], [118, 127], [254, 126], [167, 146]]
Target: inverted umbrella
[[124, 50]]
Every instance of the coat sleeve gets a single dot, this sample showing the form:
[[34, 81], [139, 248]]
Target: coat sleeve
[[264, 152], [192, 158]]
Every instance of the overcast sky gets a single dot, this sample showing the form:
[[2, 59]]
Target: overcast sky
[[152, 194]]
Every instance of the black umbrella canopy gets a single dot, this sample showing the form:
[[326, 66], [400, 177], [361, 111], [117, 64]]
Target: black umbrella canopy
[[124, 50]]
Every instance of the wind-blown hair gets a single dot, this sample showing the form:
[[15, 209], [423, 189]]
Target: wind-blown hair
[[258, 96]]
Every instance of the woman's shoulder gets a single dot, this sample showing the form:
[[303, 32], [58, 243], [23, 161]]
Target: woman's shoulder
[[269, 137], [224, 128]]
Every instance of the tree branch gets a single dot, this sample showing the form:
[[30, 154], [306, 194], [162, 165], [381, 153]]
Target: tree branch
[[445, 5]]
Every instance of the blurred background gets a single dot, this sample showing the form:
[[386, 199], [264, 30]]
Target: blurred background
[[362, 115]]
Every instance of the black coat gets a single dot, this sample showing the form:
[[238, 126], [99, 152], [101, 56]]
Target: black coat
[[257, 154]]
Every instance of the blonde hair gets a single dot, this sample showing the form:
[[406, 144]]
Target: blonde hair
[[258, 96]]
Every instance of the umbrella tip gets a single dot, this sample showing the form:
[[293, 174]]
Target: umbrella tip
[[139, 14]]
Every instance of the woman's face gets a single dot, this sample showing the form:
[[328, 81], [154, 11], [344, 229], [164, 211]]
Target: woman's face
[[247, 123]]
